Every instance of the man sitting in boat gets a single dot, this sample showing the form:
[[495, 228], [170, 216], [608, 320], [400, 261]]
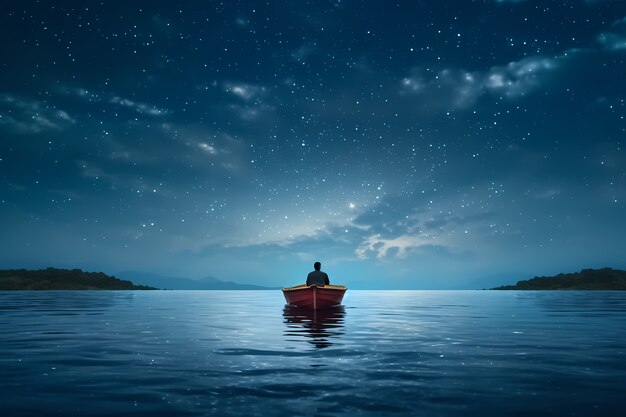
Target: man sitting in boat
[[317, 277]]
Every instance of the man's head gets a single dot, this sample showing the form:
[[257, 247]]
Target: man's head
[[317, 266]]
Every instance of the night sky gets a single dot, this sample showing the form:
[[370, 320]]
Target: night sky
[[412, 144]]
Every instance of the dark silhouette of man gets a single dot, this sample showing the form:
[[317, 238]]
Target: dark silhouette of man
[[317, 277]]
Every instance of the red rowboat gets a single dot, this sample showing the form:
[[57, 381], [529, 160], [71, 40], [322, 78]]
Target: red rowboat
[[313, 296]]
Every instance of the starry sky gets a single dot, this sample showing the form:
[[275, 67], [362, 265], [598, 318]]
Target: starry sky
[[404, 144]]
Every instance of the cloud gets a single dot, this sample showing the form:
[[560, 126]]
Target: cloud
[[397, 246], [411, 85], [401, 226], [138, 107], [222, 152], [456, 88], [395, 228], [244, 91], [518, 78], [614, 39], [209, 149], [464, 87], [548, 194], [26, 116], [453, 88], [253, 107], [160, 158], [91, 171], [92, 97], [250, 113], [242, 22], [305, 257]]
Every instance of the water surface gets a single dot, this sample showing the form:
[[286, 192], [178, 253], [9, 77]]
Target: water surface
[[233, 353]]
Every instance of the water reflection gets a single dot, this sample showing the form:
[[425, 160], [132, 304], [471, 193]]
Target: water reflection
[[319, 327]]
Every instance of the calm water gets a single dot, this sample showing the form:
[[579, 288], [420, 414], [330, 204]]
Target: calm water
[[236, 353]]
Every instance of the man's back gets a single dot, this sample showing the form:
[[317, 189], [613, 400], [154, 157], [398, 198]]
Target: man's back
[[317, 278]]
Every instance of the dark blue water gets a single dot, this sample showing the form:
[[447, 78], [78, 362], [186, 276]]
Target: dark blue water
[[238, 353]]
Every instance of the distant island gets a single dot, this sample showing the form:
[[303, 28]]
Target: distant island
[[587, 279], [180, 283], [63, 279]]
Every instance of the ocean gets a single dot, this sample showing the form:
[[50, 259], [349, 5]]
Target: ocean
[[244, 353]]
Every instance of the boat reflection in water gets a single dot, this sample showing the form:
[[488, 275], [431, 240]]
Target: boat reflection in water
[[318, 326]]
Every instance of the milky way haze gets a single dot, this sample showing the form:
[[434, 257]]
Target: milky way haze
[[412, 144]]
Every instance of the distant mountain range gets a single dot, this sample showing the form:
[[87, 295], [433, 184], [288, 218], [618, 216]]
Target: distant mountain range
[[179, 283], [62, 279], [587, 279]]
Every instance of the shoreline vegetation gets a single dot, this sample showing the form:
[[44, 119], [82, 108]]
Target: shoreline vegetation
[[63, 279], [606, 279], [76, 279]]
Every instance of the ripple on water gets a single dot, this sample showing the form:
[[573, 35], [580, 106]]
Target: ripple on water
[[435, 353]]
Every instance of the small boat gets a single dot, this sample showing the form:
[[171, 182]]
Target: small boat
[[313, 296]]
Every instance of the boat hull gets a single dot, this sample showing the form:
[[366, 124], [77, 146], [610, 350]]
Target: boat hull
[[314, 297]]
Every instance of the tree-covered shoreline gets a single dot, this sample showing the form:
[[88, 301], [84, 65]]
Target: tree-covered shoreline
[[63, 279], [587, 279]]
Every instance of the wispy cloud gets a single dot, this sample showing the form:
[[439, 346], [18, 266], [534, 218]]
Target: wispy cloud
[[210, 151], [94, 96], [128, 163], [142, 108], [250, 113], [27, 116], [548, 193], [518, 78], [614, 39], [245, 91], [251, 105], [401, 226], [457, 88], [207, 148], [398, 246], [411, 85]]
